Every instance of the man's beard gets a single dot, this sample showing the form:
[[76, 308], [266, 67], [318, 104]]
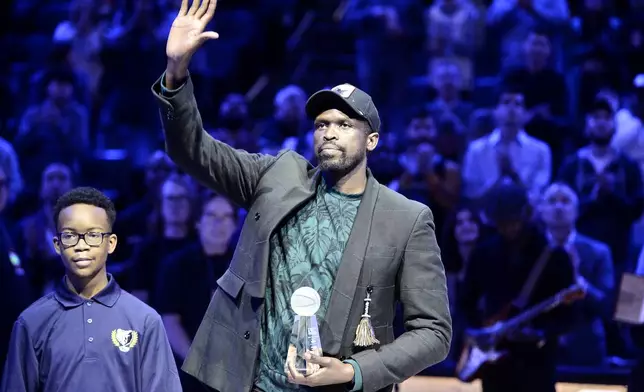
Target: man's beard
[[340, 163]]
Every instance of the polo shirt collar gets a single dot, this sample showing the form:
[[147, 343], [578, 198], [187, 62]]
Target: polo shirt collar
[[107, 297]]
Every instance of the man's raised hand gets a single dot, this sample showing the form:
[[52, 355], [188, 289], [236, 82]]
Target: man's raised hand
[[187, 35]]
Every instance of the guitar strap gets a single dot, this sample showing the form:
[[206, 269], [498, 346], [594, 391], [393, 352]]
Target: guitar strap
[[522, 300]]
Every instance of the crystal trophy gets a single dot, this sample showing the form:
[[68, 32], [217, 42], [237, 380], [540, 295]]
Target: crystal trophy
[[305, 334]]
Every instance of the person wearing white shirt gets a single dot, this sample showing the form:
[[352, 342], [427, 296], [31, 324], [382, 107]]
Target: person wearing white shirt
[[508, 154]]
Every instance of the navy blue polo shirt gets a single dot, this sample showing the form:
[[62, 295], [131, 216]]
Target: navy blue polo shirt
[[112, 342]]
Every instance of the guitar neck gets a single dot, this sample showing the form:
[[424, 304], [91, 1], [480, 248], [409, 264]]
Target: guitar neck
[[533, 312]]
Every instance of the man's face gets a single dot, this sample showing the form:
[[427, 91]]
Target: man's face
[[218, 222], [421, 129], [81, 259], [558, 208], [234, 105], [4, 190], [511, 110], [447, 80], [466, 230], [175, 203], [537, 48], [600, 127], [340, 142], [56, 180], [233, 112], [158, 168], [60, 91]]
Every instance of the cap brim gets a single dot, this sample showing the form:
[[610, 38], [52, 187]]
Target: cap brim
[[325, 100]]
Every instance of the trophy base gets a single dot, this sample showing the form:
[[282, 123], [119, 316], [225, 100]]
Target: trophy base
[[305, 337]]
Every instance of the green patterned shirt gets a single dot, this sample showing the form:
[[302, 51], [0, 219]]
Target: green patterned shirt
[[305, 251]]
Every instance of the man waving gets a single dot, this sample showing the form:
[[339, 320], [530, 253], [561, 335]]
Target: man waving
[[331, 228]]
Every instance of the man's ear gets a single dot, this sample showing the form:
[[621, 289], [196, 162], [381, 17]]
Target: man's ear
[[111, 245], [57, 245], [372, 141]]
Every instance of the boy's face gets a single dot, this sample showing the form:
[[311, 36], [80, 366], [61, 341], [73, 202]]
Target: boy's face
[[84, 257]]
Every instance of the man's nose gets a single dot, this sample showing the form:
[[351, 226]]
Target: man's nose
[[331, 132]]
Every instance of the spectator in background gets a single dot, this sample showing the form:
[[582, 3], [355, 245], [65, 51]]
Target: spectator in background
[[453, 36], [428, 176], [10, 164], [629, 133], [36, 231], [235, 119], [632, 43], [597, 25], [585, 344], [15, 290], [511, 21], [448, 81], [544, 88], [461, 234], [55, 130], [170, 229], [508, 154], [289, 124], [59, 58], [545, 92], [385, 31], [87, 30], [188, 279], [599, 70], [132, 225], [609, 186]]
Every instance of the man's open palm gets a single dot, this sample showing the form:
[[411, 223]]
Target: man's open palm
[[187, 33]]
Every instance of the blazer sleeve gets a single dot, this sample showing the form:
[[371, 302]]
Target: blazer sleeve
[[231, 172], [423, 292], [21, 368]]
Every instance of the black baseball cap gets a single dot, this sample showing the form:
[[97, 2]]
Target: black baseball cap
[[348, 99]]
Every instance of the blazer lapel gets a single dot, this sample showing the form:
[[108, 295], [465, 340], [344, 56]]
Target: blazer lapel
[[256, 279], [346, 279]]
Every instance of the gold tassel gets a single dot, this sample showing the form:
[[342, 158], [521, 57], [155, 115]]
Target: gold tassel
[[365, 336]]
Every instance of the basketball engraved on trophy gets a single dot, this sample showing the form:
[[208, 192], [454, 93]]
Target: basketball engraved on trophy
[[305, 334]]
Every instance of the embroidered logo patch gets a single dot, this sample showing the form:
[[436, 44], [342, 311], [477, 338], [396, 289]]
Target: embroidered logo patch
[[125, 339], [344, 90]]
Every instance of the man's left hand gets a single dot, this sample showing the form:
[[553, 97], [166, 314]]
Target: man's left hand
[[332, 371]]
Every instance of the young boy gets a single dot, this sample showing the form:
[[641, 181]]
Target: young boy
[[88, 335]]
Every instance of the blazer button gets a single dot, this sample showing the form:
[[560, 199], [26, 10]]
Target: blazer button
[[246, 335], [257, 216]]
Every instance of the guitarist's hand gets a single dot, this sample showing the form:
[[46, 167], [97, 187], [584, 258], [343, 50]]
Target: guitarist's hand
[[579, 292]]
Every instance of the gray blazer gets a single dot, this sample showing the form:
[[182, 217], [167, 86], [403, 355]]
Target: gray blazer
[[392, 248]]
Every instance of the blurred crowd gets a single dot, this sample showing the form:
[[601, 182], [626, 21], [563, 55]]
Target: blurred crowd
[[547, 95]]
